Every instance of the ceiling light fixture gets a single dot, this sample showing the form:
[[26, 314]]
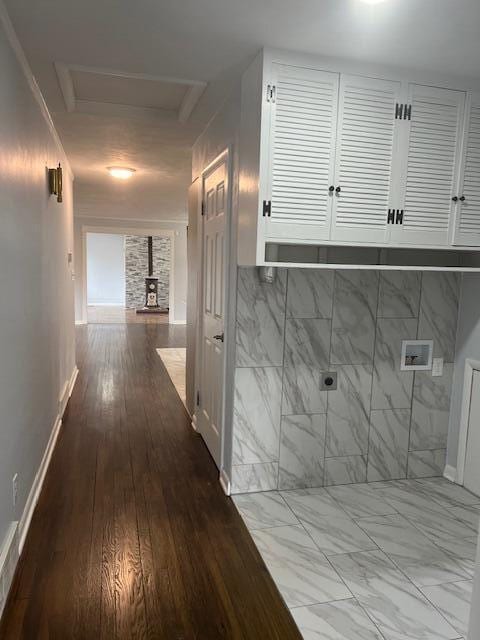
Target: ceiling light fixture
[[122, 173]]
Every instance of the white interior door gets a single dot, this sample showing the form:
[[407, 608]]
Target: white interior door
[[212, 366], [431, 152], [367, 137], [467, 205], [471, 478], [302, 153]]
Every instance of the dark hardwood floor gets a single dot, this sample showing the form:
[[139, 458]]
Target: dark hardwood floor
[[132, 536]]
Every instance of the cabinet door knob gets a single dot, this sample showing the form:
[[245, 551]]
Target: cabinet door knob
[[331, 189], [455, 199], [462, 198], [338, 189]]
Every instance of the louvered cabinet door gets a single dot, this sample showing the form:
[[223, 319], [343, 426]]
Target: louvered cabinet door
[[302, 153], [467, 228], [432, 161], [365, 159]]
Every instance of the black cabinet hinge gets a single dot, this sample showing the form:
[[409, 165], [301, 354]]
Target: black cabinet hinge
[[271, 90], [267, 208], [403, 111], [198, 398], [203, 208], [395, 216]]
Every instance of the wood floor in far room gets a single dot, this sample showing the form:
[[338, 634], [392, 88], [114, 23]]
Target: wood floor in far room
[[132, 536]]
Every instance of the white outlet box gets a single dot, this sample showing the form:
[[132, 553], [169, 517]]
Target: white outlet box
[[437, 367], [15, 489]]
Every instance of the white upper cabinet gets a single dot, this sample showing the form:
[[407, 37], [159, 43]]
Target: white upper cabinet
[[467, 203], [365, 158], [431, 160], [301, 153]]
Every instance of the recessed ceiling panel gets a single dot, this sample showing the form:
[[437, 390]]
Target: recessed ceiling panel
[[136, 92]]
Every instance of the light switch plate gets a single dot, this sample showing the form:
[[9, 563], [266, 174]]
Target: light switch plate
[[437, 367]]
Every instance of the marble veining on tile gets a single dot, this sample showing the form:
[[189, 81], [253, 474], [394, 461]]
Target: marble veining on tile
[[264, 510], [342, 620], [453, 600], [388, 444], [307, 345], [260, 319], [329, 526], [360, 500], [431, 409], [302, 573], [425, 464], [345, 470], [256, 416], [438, 312], [446, 493], [309, 293], [415, 554], [302, 451], [254, 477], [348, 411], [399, 294], [393, 603], [392, 388], [354, 313]]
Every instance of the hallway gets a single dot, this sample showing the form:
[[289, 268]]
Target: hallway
[[132, 536]]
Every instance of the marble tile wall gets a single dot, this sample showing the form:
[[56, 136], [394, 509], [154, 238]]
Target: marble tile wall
[[380, 423], [136, 269]]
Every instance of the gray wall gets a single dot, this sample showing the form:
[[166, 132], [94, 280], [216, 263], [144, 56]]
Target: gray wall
[[380, 423], [105, 268], [36, 289], [136, 269], [468, 346]]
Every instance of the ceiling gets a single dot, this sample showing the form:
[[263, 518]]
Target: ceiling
[[159, 49]]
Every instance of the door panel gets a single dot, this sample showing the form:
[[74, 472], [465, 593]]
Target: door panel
[[468, 210], [431, 156], [365, 166], [210, 411], [472, 468], [302, 152]]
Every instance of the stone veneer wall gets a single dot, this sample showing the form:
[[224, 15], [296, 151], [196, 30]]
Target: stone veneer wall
[[381, 423], [136, 269]]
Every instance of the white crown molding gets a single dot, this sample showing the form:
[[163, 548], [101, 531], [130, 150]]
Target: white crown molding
[[35, 89], [118, 221], [72, 103]]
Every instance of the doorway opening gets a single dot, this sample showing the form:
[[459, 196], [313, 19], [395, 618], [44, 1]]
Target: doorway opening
[[128, 278]]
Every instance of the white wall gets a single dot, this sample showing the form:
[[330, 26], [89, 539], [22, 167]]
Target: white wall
[[178, 233], [105, 268], [37, 340], [467, 346]]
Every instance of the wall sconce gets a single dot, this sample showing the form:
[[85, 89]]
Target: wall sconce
[[55, 182]]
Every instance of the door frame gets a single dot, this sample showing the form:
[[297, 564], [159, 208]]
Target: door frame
[[224, 157], [471, 365], [127, 231]]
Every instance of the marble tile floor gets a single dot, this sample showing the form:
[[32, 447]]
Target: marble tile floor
[[379, 561]]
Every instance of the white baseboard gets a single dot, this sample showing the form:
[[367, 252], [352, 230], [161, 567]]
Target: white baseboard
[[450, 473], [8, 562], [225, 482], [194, 422], [67, 392], [34, 494], [79, 323]]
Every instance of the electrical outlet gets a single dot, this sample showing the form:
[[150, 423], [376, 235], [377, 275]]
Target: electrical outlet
[[15, 489]]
